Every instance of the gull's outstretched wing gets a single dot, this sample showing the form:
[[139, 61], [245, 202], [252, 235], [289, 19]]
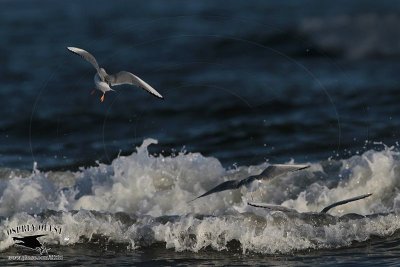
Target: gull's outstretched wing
[[270, 172], [325, 210], [85, 55], [270, 207], [280, 169], [124, 77], [274, 171], [232, 184]]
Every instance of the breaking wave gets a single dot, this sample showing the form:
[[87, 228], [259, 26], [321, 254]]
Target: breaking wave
[[141, 199]]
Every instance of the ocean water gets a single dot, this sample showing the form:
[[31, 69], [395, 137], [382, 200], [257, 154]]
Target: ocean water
[[246, 85]]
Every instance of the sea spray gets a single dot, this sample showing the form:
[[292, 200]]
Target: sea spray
[[141, 199]]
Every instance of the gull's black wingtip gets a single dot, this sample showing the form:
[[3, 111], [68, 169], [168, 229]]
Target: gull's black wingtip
[[190, 201], [203, 195], [305, 167]]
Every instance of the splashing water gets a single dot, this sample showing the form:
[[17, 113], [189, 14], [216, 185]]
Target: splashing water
[[141, 200]]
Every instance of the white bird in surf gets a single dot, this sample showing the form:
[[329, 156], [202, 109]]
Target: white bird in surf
[[269, 173], [103, 80]]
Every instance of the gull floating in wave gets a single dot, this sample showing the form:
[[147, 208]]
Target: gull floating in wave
[[325, 210], [269, 173], [103, 80]]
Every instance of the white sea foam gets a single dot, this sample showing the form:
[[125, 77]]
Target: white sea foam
[[151, 193]]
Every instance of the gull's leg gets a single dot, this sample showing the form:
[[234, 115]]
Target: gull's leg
[[102, 98], [94, 90]]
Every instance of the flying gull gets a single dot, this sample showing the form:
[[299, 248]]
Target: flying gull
[[325, 210], [104, 81], [269, 173]]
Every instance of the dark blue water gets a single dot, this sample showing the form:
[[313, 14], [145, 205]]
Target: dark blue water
[[244, 82]]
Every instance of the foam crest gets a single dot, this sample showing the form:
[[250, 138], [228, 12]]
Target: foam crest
[[272, 233], [148, 185], [372, 172]]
